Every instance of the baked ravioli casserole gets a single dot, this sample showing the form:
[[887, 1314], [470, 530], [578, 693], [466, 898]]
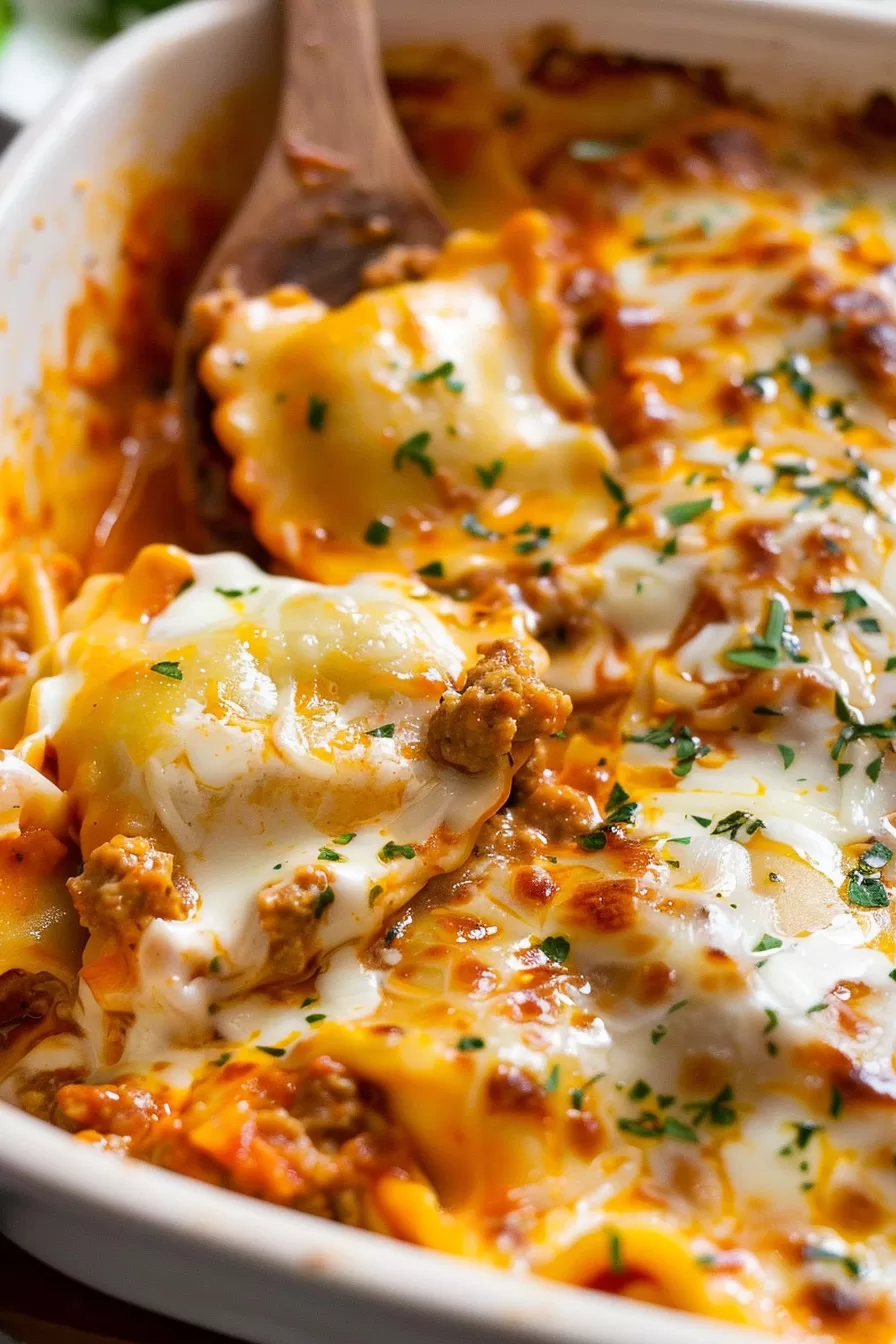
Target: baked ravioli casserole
[[499, 854]]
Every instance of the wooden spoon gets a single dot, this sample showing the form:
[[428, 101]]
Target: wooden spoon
[[337, 187]]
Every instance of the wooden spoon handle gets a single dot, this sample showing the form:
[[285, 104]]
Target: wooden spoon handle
[[335, 112]]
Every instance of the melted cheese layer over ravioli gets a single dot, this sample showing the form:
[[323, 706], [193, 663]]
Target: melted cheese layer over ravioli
[[270, 735]]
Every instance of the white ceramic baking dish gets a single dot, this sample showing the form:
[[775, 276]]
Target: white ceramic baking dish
[[159, 1240]]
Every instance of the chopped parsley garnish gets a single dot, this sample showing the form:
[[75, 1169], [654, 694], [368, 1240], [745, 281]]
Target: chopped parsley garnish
[[688, 749], [276, 1051], [326, 897], [345, 839], [317, 414], [651, 1126], [577, 1094], [414, 450], [222, 1059], [384, 730], [537, 538], [686, 512], [592, 841], [869, 625], [853, 728], [658, 1033], [238, 592], [315, 1017], [621, 809], [378, 532], [467, 1043], [852, 601], [836, 1103], [702, 821], [639, 1090], [767, 943], [787, 754], [489, 475], [716, 1110], [552, 1080], [614, 1251], [555, 948], [330, 856], [772, 1022], [170, 670], [661, 736], [849, 1262], [765, 652], [391, 850], [214, 966], [474, 528], [434, 570], [863, 888], [444, 371], [731, 824], [185, 586], [617, 494]]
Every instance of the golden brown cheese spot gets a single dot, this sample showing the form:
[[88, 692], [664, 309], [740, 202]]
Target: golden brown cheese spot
[[854, 1212], [606, 906], [534, 885], [503, 702], [584, 1133], [287, 912], [513, 1091], [127, 881]]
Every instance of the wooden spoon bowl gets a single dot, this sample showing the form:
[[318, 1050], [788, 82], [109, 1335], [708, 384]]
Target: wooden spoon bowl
[[337, 188]]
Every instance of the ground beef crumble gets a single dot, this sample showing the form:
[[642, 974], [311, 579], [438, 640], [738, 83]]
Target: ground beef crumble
[[127, 881], [503, 702]]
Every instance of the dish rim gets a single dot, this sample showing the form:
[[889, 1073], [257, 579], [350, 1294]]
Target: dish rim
[[37, 1160]]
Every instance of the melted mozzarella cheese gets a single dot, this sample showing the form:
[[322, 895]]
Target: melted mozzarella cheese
[[259, 728], [410, 402]]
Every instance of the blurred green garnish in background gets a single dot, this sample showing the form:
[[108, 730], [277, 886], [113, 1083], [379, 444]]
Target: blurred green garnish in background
[[105, 18], [7, 18]]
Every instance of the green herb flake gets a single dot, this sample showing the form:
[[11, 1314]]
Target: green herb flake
[[326, 897], [275, 1051], [577, 1094], [222, 1059], [328, 855], [391, 850], [617, 494], [555, 948], [552, 1081], [767, 943], [315, 1017], [468, 1043], [317, 414], [434, 570], [474, 528], [378, 532], [787, 754], [384, 730], [488, 476], [414, 450], [170, 670], [687, 511]]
